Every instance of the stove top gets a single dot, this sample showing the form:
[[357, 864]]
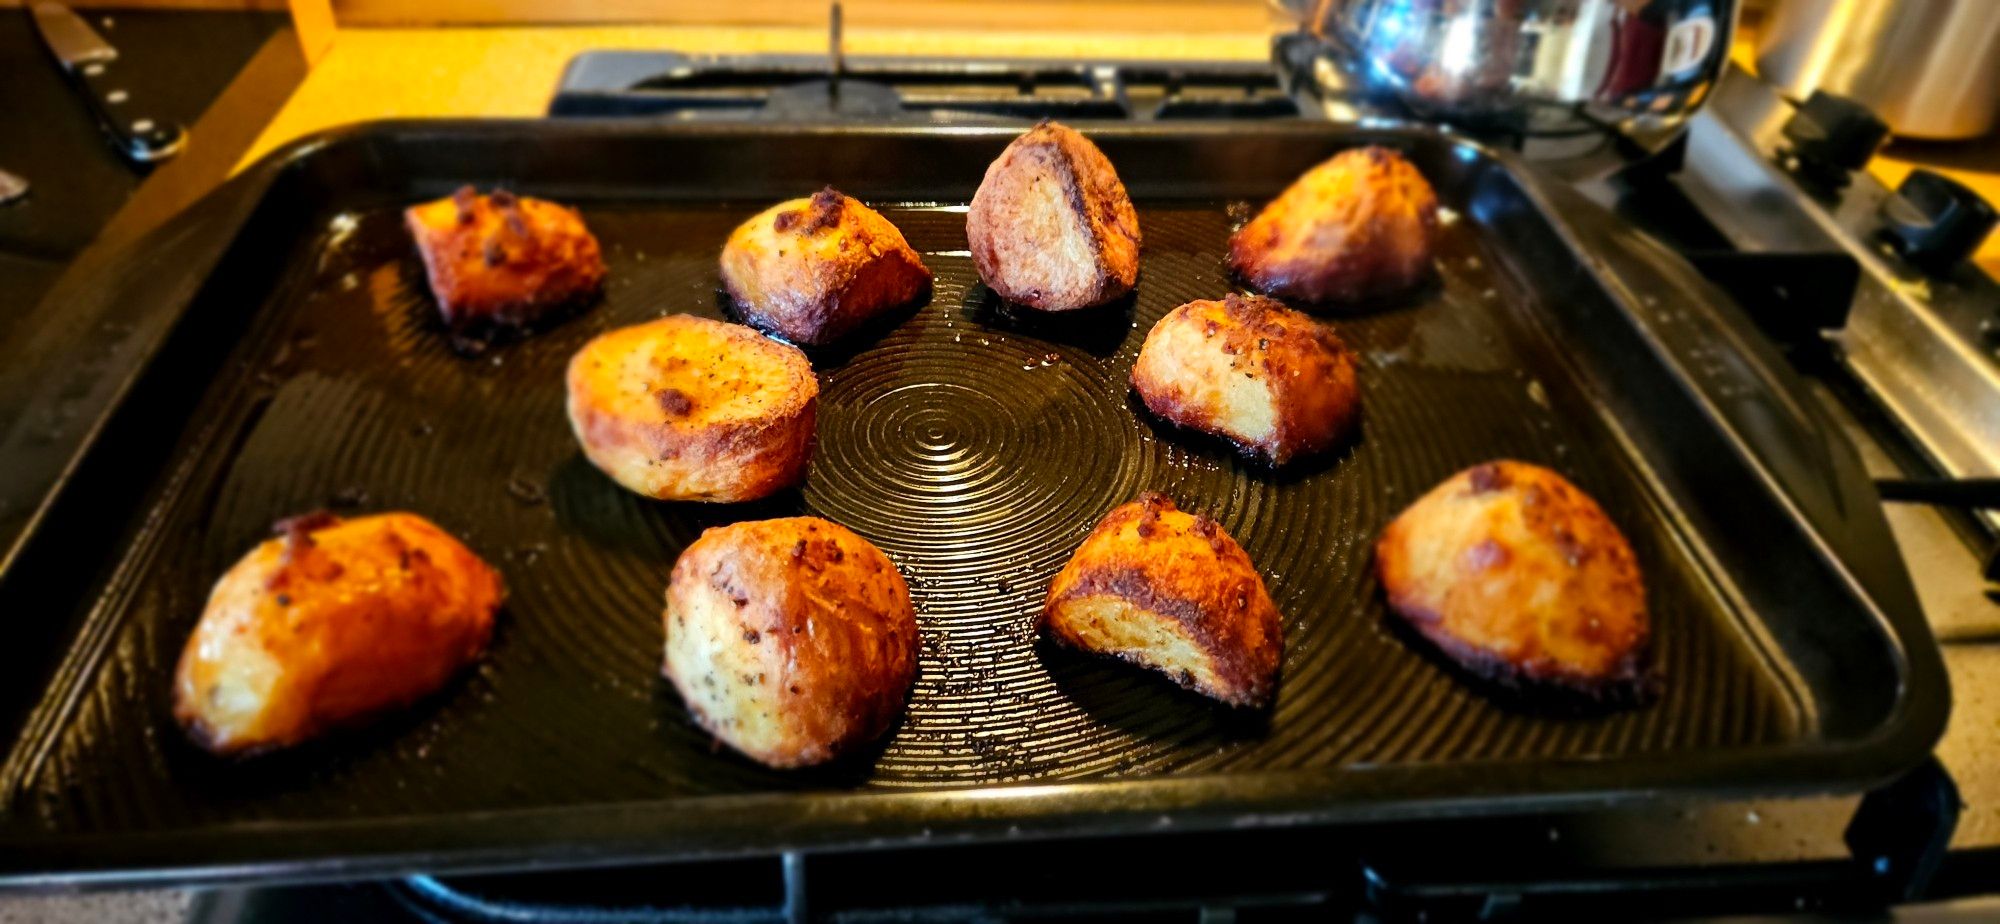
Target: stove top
[[1809, 266], [804, 87]]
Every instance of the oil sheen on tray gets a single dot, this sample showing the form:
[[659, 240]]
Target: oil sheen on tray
[[975, 449]]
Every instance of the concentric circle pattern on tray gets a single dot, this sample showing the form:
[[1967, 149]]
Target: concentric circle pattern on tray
[[975, 447]]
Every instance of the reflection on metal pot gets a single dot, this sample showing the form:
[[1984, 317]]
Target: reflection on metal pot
[[1535, 66]]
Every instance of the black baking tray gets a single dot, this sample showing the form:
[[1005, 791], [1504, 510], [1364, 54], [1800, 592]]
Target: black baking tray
[[275, 352]]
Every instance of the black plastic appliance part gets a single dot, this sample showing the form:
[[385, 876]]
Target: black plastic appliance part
[[1830, 137], [1935, 221]]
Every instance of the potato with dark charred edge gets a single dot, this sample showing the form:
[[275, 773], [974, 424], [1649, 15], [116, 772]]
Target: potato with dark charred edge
[[792, 641], [1170, 591], [330, 625], [1520, 577], [503, 261], [811, 270], [1051, 227], [1361, 225], [1275, 382], [688, 408]]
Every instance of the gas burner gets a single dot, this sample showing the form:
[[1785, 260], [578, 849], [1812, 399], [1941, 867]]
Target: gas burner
[[805, 87]]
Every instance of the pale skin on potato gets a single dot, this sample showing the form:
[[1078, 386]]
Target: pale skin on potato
[[1361, 225], [503, 261], [329, 625], [793, 640], [1277, 383], [1520, 577], [688, 408], [812, 270], [1051, 227]]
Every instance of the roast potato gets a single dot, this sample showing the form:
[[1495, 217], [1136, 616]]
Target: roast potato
[[811, 270], [1361, 225], [1276, 382], [791, 640], [1173, 592], [686, 408], [503, 261], [332, 623], [1051, 227], [1518, 576]]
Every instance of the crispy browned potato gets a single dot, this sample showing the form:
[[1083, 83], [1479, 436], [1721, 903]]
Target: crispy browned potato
[[1276, 382], [503, 261], [1051, 227], [1520, 577], [1173, 592], [811, 270], [791, 640], [1361, 225], [686, 408], [333, 623]]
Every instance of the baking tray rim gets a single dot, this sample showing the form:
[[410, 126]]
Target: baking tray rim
[[770, 823], [597, 834]]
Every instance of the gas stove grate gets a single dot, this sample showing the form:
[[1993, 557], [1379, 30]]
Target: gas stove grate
[[624, 83]]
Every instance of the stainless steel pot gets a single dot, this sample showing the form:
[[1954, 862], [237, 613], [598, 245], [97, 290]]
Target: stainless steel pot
[[1929, 68], [1537, 66]]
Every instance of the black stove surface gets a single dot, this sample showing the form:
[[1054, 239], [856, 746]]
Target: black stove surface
[[797, 87], [1832, 853], [1836, 855]]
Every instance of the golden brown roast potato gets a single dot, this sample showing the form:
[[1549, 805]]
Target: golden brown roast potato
[[1519, 576], [1051, 227], [791, 640], [1276, 382], [686, 408], [811, 270], [1173, 592], [1361, 225], [503, 261], [334, 622]]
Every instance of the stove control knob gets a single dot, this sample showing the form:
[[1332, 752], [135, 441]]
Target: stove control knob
[[1831, 136], [1935, 221]]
